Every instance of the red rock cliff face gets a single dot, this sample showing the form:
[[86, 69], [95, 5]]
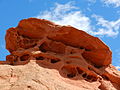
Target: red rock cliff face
[[74, 53]]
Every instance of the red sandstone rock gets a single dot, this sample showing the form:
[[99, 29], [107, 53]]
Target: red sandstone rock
[[29, 31], [81, 61]]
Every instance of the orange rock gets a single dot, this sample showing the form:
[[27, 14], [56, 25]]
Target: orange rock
[[11, 39], [46, 52], [29, 31]]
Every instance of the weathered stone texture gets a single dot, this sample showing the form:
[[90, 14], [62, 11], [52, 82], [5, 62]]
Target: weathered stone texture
[[46, 56]]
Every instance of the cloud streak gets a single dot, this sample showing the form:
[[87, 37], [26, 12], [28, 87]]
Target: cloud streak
[[68, 14], [116, 3], [118, 67], [65, 15], [109, 28]]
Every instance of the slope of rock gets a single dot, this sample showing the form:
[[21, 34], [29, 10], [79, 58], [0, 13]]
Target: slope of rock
[[46, 56]]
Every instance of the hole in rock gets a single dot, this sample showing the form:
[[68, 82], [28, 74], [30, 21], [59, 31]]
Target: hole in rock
[[97, 66], [71, 75], [90, 68], [15, 60], [79, 70], [43, 47], [40, 58], [69, 71], [89, 77], [27, 43], [29, 86], [84, 75], [94, 78], [23, 36], [24, 57], [33, 45], [87, 49], [105, 77], [81, 47], [11, 63], [68, 62], [54, 60]]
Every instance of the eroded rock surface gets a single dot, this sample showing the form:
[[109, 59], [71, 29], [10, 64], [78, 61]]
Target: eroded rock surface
[[55, 57]]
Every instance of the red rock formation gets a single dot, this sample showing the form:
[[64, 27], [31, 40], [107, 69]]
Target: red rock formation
[[74, 53], [30, 31]]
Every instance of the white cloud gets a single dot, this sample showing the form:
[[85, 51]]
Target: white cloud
[[116, 3], [118, 67], [68, 14], [109, 28]]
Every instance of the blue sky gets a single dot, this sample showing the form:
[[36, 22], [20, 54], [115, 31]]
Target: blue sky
[[99, 18]]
